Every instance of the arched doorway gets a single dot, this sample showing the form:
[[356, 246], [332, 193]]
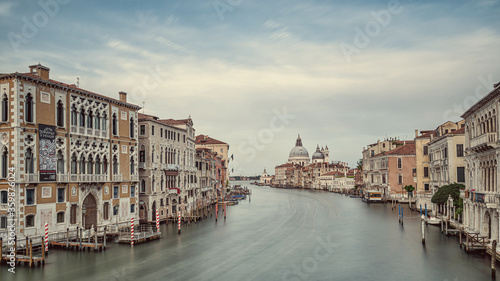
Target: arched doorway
[[142, 212], [153, 211], [174, 207], [486, 225], [89, 219]]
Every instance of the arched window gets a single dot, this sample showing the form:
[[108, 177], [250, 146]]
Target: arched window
[[90, 119], [90, 165], [115, 165], [132, 128], [161, 155], [161, 184], [74, 116], [98, 165], [132, 166], [97, 121], [153, 184], [166, 156], [143, 186], [5, 162], [60, 162], [115, 125], [104, 122], [73, 164], [82, 165], [5, 108], [28, 108], [132, 208], [105, 165], [400, 164], [82, 117], [60, 114], [29, 167], [153, 154]]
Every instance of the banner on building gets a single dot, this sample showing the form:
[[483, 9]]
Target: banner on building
[[47, 156]]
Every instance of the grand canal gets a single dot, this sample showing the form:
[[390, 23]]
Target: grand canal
[[278, 235]]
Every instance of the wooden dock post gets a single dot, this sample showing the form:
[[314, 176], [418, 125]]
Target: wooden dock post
[[460, 233], [225, 210], [1, 251], [43, 251], [402, 216], [104, 241], [81, 233], [493, 258], [31, 252], [26, 253], [95, 240], [442, 227], [67, 238], [423, 229], [466, 242]]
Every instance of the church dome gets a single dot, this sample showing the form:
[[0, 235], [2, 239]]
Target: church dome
[[318, 154], [299, 151]]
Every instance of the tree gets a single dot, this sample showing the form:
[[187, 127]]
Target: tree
[[409, 189], [360, 164], [441, 196]]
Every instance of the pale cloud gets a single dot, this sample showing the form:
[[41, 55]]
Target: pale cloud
[[6, 8]]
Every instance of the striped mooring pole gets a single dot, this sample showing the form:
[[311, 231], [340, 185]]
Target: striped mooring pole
[[46, 237], [179, 222], [157, 221], [132, 231]]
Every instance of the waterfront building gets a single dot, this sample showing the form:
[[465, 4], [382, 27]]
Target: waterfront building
[[265, 178], [167, 168], [73, 154], [390, 171], [221, 148], [480, 200], [447, 162], [282, 174], [375, 149], [337, 181], [208, 176]]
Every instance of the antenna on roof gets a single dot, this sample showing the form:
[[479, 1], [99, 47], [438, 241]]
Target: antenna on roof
[[78, 82]]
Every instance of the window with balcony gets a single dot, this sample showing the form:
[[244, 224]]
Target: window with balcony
[[97, 165], [142, 155], [30, 196], [60, 162], [161, 183], [29, 166], [143, 186], [74, 116], [132, 166], [73, 165], [104, 122], [115, 165], [460, 150], [153, 184], [82, 165], [82, 117], [97, 122], [30, 221], [60, 194], [90, 165], [60, 114], [105, 165], [5, 162], [28, 108], [5, 108], [60, 217]]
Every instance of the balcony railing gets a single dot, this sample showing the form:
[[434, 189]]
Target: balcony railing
[[477, 197], [142, 165], [30, 178], [74, 129], [484, 139], [173, 167], [134, 177], [117, 178], [154, 165], [63, 178]]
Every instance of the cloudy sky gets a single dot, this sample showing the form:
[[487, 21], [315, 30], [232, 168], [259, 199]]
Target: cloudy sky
[[257, 73]]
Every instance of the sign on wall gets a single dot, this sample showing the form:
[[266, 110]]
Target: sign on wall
[[48, 161]]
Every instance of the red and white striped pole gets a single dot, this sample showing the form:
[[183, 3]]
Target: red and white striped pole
[[179, 222], [225, 209], [132, 232], [46, 237], [157, 221], [216, 208]]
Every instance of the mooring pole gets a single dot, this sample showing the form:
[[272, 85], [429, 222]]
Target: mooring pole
[[423, 227], [493, 258]]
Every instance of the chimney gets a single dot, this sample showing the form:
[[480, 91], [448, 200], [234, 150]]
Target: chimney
[[123, 96], [416, 133], [40, 71]]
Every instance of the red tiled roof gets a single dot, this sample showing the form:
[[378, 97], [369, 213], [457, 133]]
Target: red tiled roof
[[174, 122], [457, 132], [287, 165], [147, 117], [407, 149], [204, 139]]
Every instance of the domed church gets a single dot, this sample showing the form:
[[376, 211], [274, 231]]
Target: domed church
[[298, 155]]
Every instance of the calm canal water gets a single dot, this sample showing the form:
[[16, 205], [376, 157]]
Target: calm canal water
[[279, 235]]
